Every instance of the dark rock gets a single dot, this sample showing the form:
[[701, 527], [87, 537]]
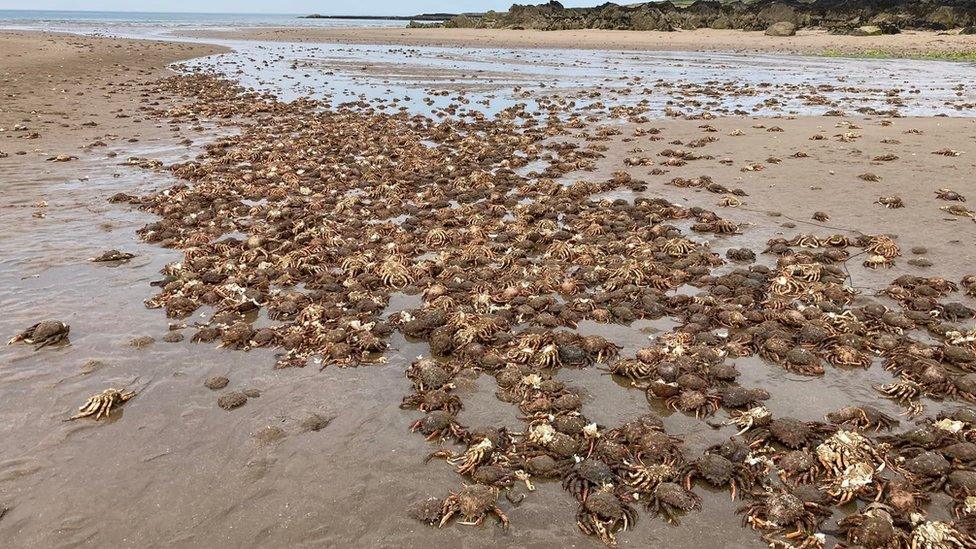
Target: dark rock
[[889, 16]]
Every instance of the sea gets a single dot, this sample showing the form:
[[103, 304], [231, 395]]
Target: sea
[[96, 20]]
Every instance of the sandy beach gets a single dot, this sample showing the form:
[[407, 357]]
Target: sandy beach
[[806, 42], [292, 261]]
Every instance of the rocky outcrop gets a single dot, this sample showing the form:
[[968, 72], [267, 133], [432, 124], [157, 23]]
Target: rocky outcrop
[[834, 15]]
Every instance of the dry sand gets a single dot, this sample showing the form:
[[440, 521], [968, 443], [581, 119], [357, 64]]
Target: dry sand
[[811, 42]]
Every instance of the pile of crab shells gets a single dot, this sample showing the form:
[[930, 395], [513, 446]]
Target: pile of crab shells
[[340, 208]]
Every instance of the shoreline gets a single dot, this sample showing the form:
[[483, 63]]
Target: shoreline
[[806, 42]]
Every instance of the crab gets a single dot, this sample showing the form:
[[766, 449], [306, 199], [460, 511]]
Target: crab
[[632, 369], [861, 417], [872, 527], [846, 448], [757, 416], [855, 481], [964, 386], [436, 237], [846, 355], [797, 466], [822, 217], [737, 396], [774, 349], [892, 202], [477, 454], [643, 478], [588, 475], [670, 499], [781, 511], [937, 535], [602, 514], [784, 285], [434, 399], [438, 424], [961, 453], [926, 436], [600, 348], [927, 470], [729, 201], [964, 507], [906, 392], [678, 247], [688, 401], [876, 261], [960, 484], [949, 194], [101, 405], [792, 433], [42, 334], [883, 245], [718, 472], [428, 511], [428, 374], [803, 362], [472, 503]]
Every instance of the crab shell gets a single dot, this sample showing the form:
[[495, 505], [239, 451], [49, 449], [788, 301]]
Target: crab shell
[[476, 499], [783, 509], [792, 433], [605, 506], [715, 469], [675, 495]]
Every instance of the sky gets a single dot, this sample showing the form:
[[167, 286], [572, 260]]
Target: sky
[[328, 7]]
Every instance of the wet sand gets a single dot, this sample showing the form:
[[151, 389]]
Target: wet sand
[[806, 42], [62, 92], [171, 468]]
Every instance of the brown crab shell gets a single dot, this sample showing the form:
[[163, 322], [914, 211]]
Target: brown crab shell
[[790, 432], [675, 495]]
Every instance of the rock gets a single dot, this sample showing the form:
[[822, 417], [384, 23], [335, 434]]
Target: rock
[[783, 28], [232, 400], [832, 15], [252, 393], [315, 422], [91, 365], [216, 382], [270, 435], [867, 30], [140, 342]]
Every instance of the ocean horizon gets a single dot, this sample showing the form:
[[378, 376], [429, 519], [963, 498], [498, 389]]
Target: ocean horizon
[[56, 17]]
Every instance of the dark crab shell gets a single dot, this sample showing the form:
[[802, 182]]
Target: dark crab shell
[[715, 469], [928, 464], [676, 496], [790, 432], [784, 508]]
